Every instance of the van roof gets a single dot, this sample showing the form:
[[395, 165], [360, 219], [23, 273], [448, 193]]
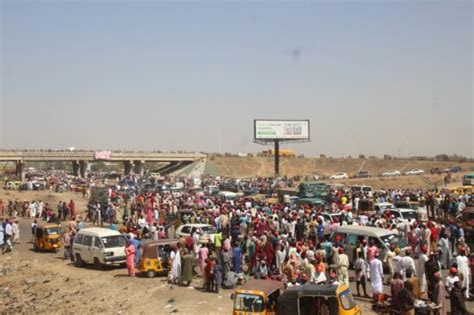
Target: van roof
[[363, 230], [99, 231]]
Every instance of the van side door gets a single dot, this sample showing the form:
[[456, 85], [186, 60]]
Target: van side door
[[86, 253], [97, 249]]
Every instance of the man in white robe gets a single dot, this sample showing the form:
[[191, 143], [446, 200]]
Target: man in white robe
[[376, 275], [463, 266], [422, 259]]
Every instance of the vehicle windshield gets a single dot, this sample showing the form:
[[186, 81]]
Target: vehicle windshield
[[393, 239], [53, 231], [248, 303], [209, 230], [113, 241], [410, 215], [347, 300]]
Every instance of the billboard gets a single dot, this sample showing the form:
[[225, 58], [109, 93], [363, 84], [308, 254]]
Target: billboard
[[266, 129], [102, 155]]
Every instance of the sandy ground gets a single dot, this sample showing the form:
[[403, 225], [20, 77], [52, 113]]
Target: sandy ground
[[241, 167], [32, 283]]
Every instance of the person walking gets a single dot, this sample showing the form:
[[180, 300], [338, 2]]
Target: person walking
[[130, 254]]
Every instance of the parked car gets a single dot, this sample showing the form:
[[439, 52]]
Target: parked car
[[206, 231], [415, 172], [348, 236], [404, 215], [380, 208], [12, 185], [391, 173], [415, 206], [363, 174], [339, 176]]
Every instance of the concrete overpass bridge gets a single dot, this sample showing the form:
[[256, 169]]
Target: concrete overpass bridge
[[80, 159]]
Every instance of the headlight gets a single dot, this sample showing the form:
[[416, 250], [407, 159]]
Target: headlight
[[109, 254]]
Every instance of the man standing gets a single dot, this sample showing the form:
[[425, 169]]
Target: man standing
[[421, 270], [187, 265], [376, 275], [457, 299], [343, 267], [431, 267], [389, 261], [463, 267], [439, 294], [407, 263], [8, 237]]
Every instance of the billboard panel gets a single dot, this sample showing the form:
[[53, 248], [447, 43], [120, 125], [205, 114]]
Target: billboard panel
[[281, 129], [102, 155]]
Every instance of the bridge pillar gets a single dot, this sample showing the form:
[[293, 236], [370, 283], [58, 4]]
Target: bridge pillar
[[127, 165], [83, 169], [20, 170], [75, 168], [138, 167]]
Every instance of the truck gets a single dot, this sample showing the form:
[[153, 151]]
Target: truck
[[310, 193]]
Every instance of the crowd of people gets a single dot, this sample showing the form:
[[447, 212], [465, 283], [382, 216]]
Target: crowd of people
[[289, 242]]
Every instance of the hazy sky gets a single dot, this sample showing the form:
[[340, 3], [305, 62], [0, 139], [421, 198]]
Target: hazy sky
[[373, 77]]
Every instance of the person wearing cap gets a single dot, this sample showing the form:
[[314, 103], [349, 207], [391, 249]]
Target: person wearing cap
[[451, 279], [422, 260], [463, 266], [439, 294]]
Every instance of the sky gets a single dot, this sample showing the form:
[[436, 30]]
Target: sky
[[373, 77]]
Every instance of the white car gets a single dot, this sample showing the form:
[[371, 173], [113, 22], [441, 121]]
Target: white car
[[404, 215], [391, 173], [339, 176], [205, 230], [415, 172]]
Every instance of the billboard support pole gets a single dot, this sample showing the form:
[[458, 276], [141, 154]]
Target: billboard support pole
[[277, 158]]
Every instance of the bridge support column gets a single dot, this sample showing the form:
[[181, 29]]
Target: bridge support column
[[75, 168], [20, 170], [138, 167], [83, 169], [127, 165]]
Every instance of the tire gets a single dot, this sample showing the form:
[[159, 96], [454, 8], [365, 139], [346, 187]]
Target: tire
[[150, 274], [78, 261], [97, 264]]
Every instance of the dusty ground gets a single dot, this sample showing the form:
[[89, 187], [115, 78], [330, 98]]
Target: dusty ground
[[252, 166]]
